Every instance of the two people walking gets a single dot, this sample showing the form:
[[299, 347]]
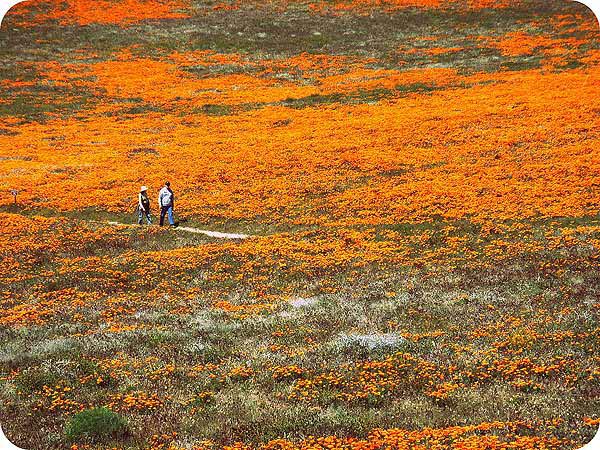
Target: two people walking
[[166, 203]]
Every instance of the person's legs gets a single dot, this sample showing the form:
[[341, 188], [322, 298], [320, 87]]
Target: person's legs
[[163, 211], [148, 218], [170, 211], [140, 213]]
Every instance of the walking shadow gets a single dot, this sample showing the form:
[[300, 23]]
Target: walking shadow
[[178, 222]]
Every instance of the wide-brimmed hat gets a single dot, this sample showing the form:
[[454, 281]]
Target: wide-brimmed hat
[[143, 188]]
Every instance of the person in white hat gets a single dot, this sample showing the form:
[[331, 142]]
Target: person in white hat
[[144, 206]]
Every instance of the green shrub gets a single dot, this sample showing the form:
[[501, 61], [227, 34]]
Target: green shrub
[[95, 424]]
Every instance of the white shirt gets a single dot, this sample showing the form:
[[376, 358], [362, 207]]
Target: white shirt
[[165, 197]]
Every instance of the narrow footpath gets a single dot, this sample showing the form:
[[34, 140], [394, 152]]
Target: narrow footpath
[[215, 234]]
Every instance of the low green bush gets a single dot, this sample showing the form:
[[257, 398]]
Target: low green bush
[[95, 424]]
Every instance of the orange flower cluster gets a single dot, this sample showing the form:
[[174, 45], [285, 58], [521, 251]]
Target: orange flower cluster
[[120, 12], [137, 401], [489, 435], [244, 311], [162, 441], [286, 372], [26, 314], [442, 391], [162, 373], [196, 370], [239, 373], [370, 381], [164, 82], [520, 44], [388, 6], [56, 398], [403, 163]]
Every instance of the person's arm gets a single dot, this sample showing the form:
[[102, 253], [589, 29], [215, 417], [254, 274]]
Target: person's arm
[[159, 198], [140, 204]]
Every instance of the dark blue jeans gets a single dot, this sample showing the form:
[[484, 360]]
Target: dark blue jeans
[[168, 210]]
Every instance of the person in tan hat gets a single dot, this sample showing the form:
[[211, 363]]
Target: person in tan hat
[[144, 206]]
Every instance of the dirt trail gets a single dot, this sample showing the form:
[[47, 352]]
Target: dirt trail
[[215, 234]]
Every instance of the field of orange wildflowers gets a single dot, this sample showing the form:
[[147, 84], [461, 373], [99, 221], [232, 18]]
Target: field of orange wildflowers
[[421, 185]]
